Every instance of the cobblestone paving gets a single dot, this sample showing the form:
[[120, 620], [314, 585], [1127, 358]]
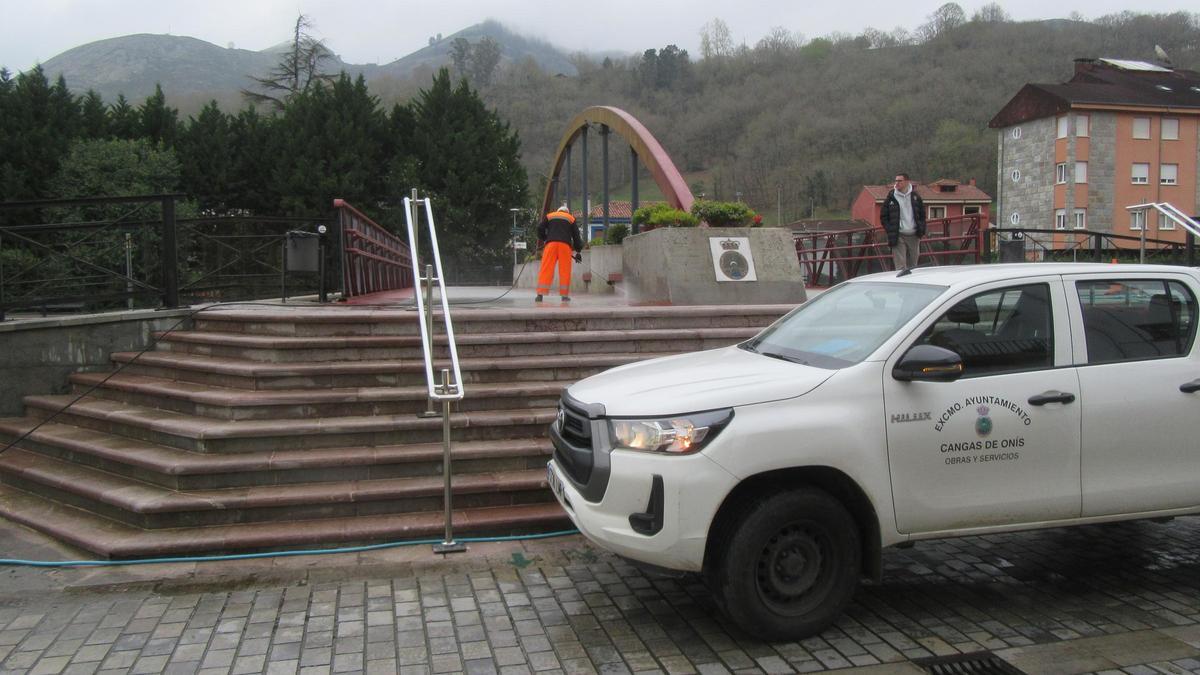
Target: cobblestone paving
[[577, 610]]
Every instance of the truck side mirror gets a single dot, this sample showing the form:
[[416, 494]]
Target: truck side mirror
[[928, 363]]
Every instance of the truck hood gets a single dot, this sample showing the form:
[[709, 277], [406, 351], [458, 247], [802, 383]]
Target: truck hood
[[717, 378]]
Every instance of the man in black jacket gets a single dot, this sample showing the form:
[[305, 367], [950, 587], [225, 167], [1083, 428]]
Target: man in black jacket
[[903, 219]]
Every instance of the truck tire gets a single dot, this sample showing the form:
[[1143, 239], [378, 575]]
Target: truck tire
[[789, 564]]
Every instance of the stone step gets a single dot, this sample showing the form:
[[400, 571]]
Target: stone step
[[248, 404], [326, 321], [151, 506], [200, 434], [243, 374], [110, 539], [316, 349], [183, 470]]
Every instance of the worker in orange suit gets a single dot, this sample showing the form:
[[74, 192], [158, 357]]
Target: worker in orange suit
[[557, 236]]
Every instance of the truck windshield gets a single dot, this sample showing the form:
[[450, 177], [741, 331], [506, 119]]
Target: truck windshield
[[843, 325]]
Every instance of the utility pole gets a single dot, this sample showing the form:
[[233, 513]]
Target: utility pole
[[514, 241]]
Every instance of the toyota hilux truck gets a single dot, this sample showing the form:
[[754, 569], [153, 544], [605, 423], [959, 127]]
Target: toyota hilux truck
[[947, 402]]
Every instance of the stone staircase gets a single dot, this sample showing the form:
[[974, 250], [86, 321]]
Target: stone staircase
[[273, 428]]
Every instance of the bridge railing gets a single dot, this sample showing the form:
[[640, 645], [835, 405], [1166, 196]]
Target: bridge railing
[[1081, 245], [373, 259], [110, 253], [827, 258]]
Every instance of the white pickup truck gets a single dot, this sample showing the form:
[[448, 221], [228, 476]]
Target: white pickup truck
[[951, 401]]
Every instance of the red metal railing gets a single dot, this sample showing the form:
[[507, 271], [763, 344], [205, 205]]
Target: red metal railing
[[373, 259], [827, 258]]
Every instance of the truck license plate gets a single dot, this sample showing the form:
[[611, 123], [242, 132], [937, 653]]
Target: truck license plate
[[555, 484]]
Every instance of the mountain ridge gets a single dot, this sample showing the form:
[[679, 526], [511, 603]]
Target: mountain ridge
[[189, 67]]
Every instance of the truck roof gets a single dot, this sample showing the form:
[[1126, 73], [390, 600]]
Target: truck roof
[[952, 275]]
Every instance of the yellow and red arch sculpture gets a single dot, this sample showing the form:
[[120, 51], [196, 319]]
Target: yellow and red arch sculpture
[[648, 149]]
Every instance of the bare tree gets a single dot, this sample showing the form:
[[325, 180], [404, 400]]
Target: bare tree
[[715, 40], [297, 70], [991, 13]]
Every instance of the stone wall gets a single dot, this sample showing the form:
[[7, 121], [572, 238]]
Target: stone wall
[[1032, 196], [1102, 171], [37, 355], [675, 265]]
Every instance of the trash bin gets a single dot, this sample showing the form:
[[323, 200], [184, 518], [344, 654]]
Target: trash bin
[[1012, 250]]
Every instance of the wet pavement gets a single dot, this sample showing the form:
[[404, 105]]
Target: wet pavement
[[1111, 598]]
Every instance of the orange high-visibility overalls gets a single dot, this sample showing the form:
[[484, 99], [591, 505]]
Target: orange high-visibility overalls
[[560, 235]]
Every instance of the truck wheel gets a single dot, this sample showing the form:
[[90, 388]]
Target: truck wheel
[[789, 565]]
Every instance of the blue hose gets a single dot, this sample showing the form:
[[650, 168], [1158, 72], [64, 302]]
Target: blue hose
[[276, 554]]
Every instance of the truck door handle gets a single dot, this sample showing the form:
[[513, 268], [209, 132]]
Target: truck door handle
[[1190, 387], [1051, 397]]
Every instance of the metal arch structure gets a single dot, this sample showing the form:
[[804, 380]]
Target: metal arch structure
[[643, 144]]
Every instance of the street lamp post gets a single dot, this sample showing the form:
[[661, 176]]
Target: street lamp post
[[515, 211]]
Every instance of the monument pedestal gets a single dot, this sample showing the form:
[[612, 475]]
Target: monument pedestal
[[713, 266]]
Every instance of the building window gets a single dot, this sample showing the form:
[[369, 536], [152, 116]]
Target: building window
[[1080, 172], [1141, 174], [1016, 133], [1081, 126], [970, 210], [1081, 219], [1060, 172], [1015, 218], [1170, 129], [1063, 123], [1141, 127], [1168, 174], [1060, 219], [1165, 223], [937, 212], [1137, 220]]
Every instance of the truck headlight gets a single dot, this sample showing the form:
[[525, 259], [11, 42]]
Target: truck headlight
[[678, 435]]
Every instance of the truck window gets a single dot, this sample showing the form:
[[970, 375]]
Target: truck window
[[843, 325], [1135, 319], [1000, 331]]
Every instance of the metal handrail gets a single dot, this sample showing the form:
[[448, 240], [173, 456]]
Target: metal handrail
[[451, 387], [453, 390], [1168, 210]]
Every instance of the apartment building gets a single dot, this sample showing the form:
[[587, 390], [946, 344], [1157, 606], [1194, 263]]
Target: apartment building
[[1073, 156]]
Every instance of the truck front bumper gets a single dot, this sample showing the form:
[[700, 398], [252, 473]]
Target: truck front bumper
[[693, 488]]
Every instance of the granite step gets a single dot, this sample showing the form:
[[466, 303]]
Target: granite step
[[248, 404], [298, 321], [319, 349], [110, 539], [180, 469], [201, 434], [243, 374], [151, 506]]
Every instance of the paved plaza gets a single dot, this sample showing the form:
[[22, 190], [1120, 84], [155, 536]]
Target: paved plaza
[[1118, 598]]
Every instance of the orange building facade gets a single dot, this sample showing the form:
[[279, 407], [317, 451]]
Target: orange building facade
[[1074, 156]]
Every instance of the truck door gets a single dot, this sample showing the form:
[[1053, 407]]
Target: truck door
[[1140, 380], [1001, 444]]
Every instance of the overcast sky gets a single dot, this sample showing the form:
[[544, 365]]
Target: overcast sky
[[362, 31]]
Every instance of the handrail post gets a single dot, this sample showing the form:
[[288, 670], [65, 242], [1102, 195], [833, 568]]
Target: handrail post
[[428, 319], [448, 544], [1190, 246], [1098, 246], [170, 259]]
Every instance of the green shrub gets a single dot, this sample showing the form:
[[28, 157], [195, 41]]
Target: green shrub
[[598, 240], [723, 214], [663, 215], [616, 233]]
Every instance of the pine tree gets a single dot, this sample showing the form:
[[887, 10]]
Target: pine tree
[[157, 122], [205, 152], [254, 158], [298, 70], [94, 116], [123, 119], [470, 164]]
